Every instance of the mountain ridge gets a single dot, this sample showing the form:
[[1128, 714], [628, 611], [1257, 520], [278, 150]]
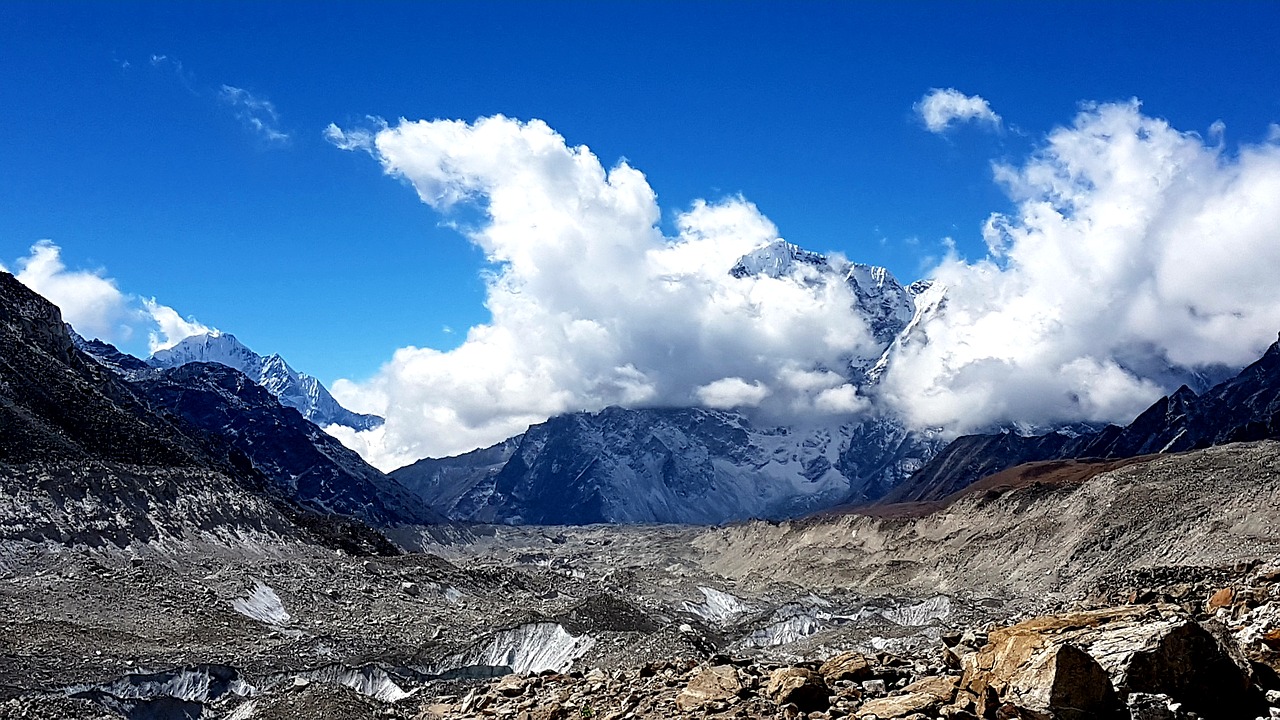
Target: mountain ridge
[[294, 389]]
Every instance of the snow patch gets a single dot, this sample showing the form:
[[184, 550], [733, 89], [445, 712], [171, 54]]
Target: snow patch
[[262, 604], [531, 648], [367, 680], [924, 612], [717, 606]]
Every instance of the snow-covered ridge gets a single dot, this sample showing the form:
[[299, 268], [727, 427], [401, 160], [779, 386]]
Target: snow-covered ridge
[[881, 299], [294, 389]]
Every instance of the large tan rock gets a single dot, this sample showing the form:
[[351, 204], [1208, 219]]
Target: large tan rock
[[921, 696], [713, 688], [800, 686], [847, 666], [898, 706], [1080, 665]]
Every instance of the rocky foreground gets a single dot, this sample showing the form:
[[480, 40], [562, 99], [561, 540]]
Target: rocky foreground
[[1165, 660], [1165, 645]]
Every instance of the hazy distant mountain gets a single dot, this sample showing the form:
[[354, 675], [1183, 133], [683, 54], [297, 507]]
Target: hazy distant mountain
[[295, 389]]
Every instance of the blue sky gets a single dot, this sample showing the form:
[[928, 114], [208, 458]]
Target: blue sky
[[123, 147]]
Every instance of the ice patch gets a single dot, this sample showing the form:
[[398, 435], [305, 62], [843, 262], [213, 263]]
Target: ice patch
[[531, 648], [793, 622], [367, 680], [786, 631], [263, 605], [200, 684], [717, 606], [924, 612]]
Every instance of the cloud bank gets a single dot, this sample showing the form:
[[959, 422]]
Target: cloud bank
[[94, 304], [940, 109], [1138, 255], [591, 304]]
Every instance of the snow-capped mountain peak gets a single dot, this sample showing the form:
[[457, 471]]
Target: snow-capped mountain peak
[[292, 388], [776, 259], [885, 304]]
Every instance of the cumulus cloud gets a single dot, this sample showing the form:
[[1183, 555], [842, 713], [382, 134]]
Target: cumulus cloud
[[94, 304], [727, 393], [591, 304], [171, 327], [1138, 256], [940, 109], [257, 113]]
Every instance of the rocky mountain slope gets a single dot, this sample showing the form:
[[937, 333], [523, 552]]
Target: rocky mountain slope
[[1245, 407], [294, 389], [86, 458], [1048, 530], [298, 462], [82, 459]]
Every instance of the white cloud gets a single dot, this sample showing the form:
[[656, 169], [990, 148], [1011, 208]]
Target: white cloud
[[1137, 254], [171, 327], [591, 305], [940, 109], [354, 138], [257, 113], [734, 392], [94, 304]]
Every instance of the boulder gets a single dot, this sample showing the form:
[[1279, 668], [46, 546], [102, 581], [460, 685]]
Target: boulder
[[899, 706], [922, 696], [1080, 665], [847, 666], [714, 687], [510, 686], [942, 687], [800, 686], [1220, 599]]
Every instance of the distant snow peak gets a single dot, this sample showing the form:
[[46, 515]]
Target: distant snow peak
[[883, 301], [294, 389], [777, 259]]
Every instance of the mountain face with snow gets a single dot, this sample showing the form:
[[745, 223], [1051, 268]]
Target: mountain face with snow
[[884, 303], [693, 465], [668, 465], [294, 389]]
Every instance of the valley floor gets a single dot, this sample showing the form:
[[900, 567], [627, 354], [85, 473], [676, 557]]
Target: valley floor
[[660, 621]]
